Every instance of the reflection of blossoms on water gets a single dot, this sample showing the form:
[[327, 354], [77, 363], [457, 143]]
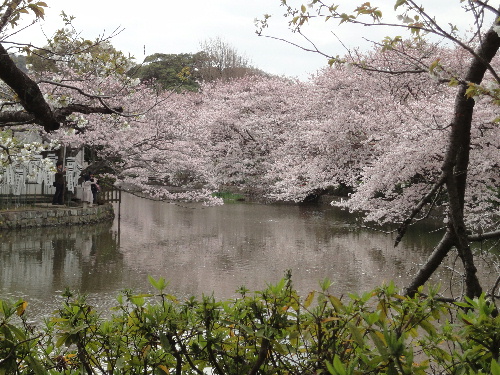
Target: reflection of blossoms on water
[[205, 250], [41, 261]]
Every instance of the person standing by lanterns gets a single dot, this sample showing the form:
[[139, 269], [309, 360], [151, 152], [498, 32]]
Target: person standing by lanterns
[[59, 184], [94, 187]]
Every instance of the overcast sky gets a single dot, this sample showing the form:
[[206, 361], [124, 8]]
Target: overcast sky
[[168, 26]]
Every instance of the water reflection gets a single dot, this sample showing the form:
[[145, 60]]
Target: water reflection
[[222, 248], [38, 264], [209, 250]]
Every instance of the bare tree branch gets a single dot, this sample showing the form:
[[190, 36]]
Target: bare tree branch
[[27, 90], [483, 236], [14, 118], [8, 12], [77, 89], [425, 200], [432, 263], [487, 6]]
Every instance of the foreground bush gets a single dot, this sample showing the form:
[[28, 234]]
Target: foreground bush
[[273, 331]]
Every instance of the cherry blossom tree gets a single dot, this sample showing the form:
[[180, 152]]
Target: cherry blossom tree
[[78, 92], [29, 103], [152, 150], [478, 81], [409, 150], [286, 139], [22, 94], [245, 120], [333, 139], [409, 126]]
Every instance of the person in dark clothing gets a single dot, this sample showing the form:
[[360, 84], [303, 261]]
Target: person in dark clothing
[[59, 183], [94, 187]]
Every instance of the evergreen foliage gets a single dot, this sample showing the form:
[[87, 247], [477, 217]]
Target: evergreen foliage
[[273, 331]]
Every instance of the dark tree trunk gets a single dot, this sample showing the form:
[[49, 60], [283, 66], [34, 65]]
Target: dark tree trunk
[[37, 110], [432, 264], [27, 90], [455, 167]]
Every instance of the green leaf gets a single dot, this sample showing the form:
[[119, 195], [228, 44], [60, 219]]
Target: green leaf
[[159, 284], [248, 330], [356, 334], [165, 343], [35, 365], [469, 93], [325, 284], [330, 368], [495, 367], [309, 299], [17, 332], [140, 299], [153, 282], [338, 366], [280, 348], [429, 328], [78, 329], [62, 340], [453, 82], [337, 304], [373, 317], [434, 65], [379, 341], [6, 309], [261, 333], [399, 3]]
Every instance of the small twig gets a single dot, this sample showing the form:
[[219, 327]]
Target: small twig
[[79, 90], [425, 200]]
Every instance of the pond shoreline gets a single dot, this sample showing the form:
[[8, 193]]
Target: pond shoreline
[[48, 215]]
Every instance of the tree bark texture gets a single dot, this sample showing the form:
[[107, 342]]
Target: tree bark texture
[[37, 110], [454, 169], [28, 92], [432, 264]]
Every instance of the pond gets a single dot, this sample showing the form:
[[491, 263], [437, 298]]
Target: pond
[[205, 250]]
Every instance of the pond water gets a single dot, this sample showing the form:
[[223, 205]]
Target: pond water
[[205, 250]]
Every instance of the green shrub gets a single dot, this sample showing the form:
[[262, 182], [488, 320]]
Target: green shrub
[[273, 331]]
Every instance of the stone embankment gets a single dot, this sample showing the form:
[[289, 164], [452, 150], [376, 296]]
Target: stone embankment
[[47, 215]]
